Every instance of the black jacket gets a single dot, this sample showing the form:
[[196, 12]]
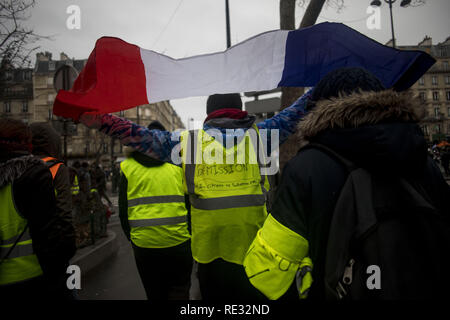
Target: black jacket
[[123, 186], [376, 131], [46, 143], [34, 198]]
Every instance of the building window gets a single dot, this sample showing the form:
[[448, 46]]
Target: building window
[[448, 95], [122, 113], [24, 106], [447, 79], [425, 130], [50, 114], [435, 95], [27, 75], [423, 96], [445, 65], [105, 148], [438, 128], [434, 80], [421, 81], [9, 75], [436, 111], [448, 111], [7, 106]]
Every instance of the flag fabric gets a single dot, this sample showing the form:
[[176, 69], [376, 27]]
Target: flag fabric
[[119, 75]]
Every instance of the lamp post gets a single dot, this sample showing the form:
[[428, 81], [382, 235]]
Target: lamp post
[[404, 3]]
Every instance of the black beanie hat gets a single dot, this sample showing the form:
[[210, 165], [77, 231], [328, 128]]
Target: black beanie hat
[[156, 125], [345, 80], [222, 101]]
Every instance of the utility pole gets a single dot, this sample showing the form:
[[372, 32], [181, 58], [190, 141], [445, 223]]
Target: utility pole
[[227, 15]]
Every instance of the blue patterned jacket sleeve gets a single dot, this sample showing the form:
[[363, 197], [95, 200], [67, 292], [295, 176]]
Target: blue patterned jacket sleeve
[[154, 143], [286, 121]]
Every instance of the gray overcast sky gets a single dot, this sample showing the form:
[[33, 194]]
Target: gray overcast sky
[[183, 28]]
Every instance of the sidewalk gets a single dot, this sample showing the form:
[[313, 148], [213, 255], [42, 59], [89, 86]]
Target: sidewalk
[[91, 256]]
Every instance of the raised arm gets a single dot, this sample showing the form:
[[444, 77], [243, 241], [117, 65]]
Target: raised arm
[[286, 121], [154, 143]]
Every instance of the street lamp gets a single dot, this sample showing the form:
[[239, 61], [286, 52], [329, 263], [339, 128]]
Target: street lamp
[[404, 3]]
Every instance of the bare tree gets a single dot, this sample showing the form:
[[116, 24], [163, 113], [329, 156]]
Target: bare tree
[[287, 22], [17, 42], [290, 94]]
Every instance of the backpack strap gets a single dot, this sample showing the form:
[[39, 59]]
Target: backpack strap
[[350, 166]]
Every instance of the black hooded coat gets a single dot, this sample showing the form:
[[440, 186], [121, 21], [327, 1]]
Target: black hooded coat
[[377, 131]]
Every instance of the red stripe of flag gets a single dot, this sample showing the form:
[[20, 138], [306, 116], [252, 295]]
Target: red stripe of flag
[[112, 80]]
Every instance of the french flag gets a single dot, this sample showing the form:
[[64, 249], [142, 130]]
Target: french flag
[[119, 75]]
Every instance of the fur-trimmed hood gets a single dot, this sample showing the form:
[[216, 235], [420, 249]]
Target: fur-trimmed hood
[[370, 128], [360, 109], [14, 168]]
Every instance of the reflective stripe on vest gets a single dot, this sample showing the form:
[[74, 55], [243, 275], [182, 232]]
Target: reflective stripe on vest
[[157, 221], [21, 264], [154, 199], [157, 213], [228, 199], [26, 236]]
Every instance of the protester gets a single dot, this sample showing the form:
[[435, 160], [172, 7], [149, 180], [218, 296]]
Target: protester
[[83, 225], [115, 177], [99, 179], [357, 124], [154, 217], [97, 209], [46, 143], [222, 233], [35, 248]]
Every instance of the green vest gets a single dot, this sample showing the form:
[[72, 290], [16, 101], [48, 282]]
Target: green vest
[[156, 206], [22, 264], [227, 194]]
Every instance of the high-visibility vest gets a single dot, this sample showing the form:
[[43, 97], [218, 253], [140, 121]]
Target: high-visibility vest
[[21, 264], [75, 188], [276, 258], [53, 168], [157, 212], [228, 199]]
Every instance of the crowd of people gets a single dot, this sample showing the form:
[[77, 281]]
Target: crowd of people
[[49, 209], [361, 194]]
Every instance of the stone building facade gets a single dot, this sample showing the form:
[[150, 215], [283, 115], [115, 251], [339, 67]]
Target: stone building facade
[[16, 93], [433, 88]]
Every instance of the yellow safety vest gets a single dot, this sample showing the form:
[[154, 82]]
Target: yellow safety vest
[[75, 188], [21, 264], [228, 200], [156, 206], [276, 257]]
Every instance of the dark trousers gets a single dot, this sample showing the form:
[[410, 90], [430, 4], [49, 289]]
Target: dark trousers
[[224, 281], [165, 272]]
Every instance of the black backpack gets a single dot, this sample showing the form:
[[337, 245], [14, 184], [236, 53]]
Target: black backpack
[[386, 240]]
